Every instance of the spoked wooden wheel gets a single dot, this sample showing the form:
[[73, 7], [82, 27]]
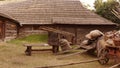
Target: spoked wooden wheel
[[103, 57]]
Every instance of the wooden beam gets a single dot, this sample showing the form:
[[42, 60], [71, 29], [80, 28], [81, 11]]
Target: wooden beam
[[41, 49], [18, 30], [57, 31], [73, 54], [4, 30], [115, 13], [66, 51], [86, 61], [78, 46], [114, 66]]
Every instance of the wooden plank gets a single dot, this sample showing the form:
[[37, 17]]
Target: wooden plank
[[67, 50], [29, 50], [41, 49], [87, 47], [78, 46], [72, 54], [114, 66], [34, 44], [86, 61], [115, 13]]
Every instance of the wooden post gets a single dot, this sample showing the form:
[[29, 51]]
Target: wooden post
[[28, 50], [75, 35], [2, 30], [55, 49], [18, 30]]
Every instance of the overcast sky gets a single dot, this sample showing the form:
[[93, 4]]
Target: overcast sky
[[90, 2]]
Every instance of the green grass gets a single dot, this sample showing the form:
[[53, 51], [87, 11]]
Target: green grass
[[13, 56], [31, 39]]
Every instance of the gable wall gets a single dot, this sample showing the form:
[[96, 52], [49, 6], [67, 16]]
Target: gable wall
[[10, 29]]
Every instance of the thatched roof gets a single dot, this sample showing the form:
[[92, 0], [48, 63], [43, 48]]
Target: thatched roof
[[52, 12]]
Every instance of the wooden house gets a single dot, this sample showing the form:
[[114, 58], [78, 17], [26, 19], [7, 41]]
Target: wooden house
[[28, 17]]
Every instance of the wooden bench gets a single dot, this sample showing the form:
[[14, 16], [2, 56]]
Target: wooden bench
[[29, 49]]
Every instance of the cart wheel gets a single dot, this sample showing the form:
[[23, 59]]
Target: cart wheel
[[103, 57]]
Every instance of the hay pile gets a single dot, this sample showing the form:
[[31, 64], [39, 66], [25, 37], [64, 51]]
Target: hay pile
[[94, 34], [113, 38]]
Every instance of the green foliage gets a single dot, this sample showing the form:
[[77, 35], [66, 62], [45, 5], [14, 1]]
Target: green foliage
[[104, 9], [39, 38]]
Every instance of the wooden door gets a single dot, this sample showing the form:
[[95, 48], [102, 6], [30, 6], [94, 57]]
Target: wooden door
[[2, 30]]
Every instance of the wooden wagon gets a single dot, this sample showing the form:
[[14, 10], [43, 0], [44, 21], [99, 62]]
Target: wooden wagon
[[110, 52]]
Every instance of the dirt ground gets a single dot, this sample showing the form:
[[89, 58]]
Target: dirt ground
[[13, 56]]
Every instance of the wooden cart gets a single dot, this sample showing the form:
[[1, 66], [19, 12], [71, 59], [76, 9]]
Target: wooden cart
[[110, 52]]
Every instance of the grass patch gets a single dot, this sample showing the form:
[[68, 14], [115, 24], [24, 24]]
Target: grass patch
[[31, 39], [36, 38], [13, 56]]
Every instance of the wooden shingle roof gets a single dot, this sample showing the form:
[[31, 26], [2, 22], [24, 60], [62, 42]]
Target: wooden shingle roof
[[52, 12]]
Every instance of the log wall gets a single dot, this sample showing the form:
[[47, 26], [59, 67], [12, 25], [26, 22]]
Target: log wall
[[83, 30], [10, 30], [79, 30], [29, 30]]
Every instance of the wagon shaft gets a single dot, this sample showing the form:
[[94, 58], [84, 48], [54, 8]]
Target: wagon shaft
[[87, 61], [114, 66], [57, 31]]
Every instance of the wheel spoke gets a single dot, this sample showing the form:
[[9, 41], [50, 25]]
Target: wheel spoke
[[103, 56]]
